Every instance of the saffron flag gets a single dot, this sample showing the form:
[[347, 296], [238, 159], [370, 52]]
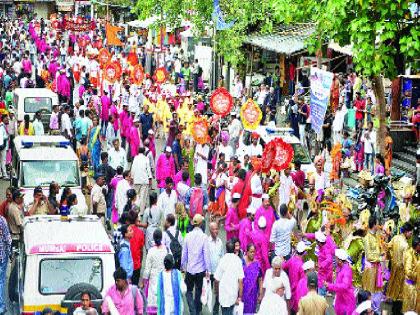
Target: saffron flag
[[112, 35]]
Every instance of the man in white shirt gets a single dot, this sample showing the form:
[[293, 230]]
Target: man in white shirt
[[274, 303], [167, 199], [224, 147], [142, 178], [229, 276], [286, 187], [182, 187], [123, 186], [37, 124], [66, 123], [274, 272], [234, 128], [117, 155], [338, 123], [281, 232], [255, 149], [201, 156], [170, 228], [216, 252], [369, 140]]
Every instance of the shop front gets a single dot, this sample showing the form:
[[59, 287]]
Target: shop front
[[65, 6], [28, 8], [7, 9]]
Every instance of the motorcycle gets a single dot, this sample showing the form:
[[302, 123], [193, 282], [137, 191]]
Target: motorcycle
[[380, 199]]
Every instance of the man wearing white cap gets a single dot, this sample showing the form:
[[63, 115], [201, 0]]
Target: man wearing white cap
[[294, 269], [134, 138], [302, 287], [274, 303], [245, 228], [267, 211], [165, 167], [325, 255], [345, 301], [258, 238]]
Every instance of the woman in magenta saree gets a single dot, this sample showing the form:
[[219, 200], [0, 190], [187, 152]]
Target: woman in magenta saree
[[252, 283]]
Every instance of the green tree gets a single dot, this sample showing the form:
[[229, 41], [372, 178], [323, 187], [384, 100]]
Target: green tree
[[384, 35]]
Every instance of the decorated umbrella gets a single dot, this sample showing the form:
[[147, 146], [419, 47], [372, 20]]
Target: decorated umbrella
[[110, 72], [118, 69], [104, 56], [137, 74], [251, 114], [221, 102], [277, 155], [160, 75], [200, 130]]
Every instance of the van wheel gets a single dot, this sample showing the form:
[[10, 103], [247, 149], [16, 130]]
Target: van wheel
[[73, 296]]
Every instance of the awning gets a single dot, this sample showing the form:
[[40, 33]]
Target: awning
[[345, 50], [286, 39]]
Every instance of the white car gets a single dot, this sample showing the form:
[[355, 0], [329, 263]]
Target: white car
[[40, 160], [268, 133]]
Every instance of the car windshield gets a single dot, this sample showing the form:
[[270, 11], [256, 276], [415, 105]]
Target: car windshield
[[34, 104], [300, 154], [42, 173], [58, 275]]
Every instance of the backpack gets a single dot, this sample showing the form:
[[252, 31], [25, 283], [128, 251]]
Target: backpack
[[175, 248], [196, 201], [117, 249]]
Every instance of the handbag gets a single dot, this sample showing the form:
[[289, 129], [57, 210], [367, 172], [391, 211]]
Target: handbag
[[207, 294], [239, 309]]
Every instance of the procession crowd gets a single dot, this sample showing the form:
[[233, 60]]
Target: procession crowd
[[292, 238]]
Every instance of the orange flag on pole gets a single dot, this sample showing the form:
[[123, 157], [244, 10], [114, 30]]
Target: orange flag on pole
[[111, 35]]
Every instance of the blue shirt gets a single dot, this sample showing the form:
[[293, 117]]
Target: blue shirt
[[146, 121], [176, 150], [125, 259]]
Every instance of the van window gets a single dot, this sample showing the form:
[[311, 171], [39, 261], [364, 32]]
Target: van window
[[34, 104], [42, 173], [57, 275]]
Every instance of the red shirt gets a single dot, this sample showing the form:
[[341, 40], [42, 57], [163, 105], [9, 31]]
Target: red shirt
[[136, 246], [360, 105]]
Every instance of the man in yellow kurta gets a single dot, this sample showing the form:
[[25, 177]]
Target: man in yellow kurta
[[163, 112], [354, 246], [396, 248], [371, 275], [411, 273]]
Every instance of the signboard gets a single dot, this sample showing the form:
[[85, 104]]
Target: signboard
[[70, 248], [321, 81], [64, 5]]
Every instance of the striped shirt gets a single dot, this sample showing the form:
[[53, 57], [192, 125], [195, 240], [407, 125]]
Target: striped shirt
[[195, 253]]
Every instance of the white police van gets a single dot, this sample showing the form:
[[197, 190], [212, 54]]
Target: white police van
[[40, 160]]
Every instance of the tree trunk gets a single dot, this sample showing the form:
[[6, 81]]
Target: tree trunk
[[378, 87], [395, 105]]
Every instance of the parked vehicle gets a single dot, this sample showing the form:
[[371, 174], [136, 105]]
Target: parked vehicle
[[58, 260]]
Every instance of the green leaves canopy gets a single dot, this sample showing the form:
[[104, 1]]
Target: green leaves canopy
[[384, 36]]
